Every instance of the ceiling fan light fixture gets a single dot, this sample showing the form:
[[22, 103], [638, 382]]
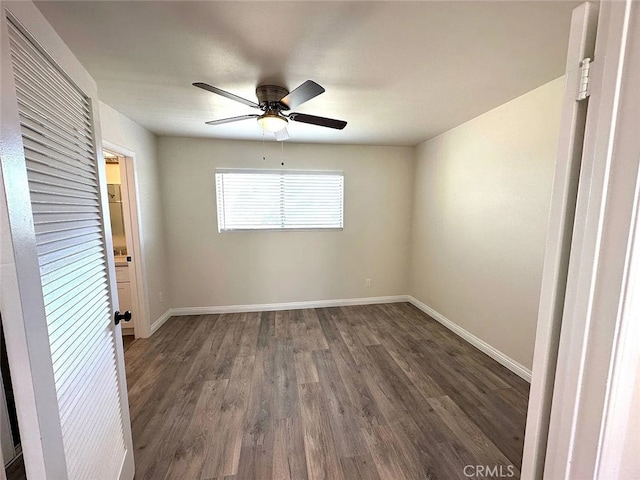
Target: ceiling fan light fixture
[[272, 122]]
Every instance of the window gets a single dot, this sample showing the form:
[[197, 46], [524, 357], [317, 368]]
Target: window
[[279, 200]]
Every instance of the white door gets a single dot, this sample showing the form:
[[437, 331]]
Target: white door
[[55, 187]]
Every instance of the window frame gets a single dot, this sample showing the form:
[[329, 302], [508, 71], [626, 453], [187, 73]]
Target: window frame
[[267, 171]]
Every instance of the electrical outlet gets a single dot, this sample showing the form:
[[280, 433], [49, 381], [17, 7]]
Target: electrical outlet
[[367, 282]]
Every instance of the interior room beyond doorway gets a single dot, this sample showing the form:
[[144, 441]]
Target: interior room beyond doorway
[[121, 233]]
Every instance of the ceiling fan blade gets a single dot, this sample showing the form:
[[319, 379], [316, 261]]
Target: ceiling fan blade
[[224, 93], [282, 134], [301, 94], [231, 119], [321, 121]]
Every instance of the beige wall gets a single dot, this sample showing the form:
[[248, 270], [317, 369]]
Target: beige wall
[[238, 268], [481, 205], [119, 130]]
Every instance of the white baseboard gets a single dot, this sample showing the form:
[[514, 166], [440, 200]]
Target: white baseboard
[[480, 344], [160, 321], [483, 346], [287, 306]]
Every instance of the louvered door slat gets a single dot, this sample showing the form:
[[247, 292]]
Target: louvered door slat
[[63, 316], [38, 121], [52, 241], [66, 302], [61, 194], [56, 125], [32, 100], [36, 100], [69, 403], [41, 135], [61, 218], [51, 196], [37, 153], [88, 443], [37, 175], [63, 136], [63, 330], [67, 227], [64, 208], [30, 83], [71, 369], [60, 312], [69, 277], [81, 414], [108, 456], [57, 258], [77, 412], [54, 136], [51, 280], [23, 49], [66, 330], [28, 61], [41, 142], [76, 409], [46, 167], [73, 373], [70, 398], [108, 428], [59, 274], [68, 286]]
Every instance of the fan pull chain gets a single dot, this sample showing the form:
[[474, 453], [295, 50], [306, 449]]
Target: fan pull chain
[[282, 143], [263, 155]]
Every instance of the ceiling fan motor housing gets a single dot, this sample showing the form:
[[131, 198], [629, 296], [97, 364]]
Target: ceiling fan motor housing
[[269, 96]]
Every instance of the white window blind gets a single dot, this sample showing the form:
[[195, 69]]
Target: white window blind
[[279, 200]]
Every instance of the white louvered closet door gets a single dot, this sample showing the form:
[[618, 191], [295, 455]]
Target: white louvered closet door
[[67, 206]]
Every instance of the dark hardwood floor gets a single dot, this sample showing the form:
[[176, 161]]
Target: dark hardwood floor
[[127, 341], [368, 392]]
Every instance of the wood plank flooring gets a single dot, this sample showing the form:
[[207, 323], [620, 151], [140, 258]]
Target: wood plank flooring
[[375, 392]]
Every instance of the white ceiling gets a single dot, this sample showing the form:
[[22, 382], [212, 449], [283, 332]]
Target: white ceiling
[[398, 72]]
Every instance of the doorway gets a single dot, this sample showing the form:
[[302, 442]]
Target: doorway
[[124, 233]]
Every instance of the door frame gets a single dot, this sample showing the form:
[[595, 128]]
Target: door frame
[[127, 160], [599, 286], [582, 39], [595, 349]]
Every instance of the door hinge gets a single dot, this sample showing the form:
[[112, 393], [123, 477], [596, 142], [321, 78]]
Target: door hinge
[[583, 87]]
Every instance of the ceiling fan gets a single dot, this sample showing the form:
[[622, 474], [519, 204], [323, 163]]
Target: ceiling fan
[[273, 100]]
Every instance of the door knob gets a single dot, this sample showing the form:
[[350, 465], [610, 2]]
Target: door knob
[[126, 316]]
